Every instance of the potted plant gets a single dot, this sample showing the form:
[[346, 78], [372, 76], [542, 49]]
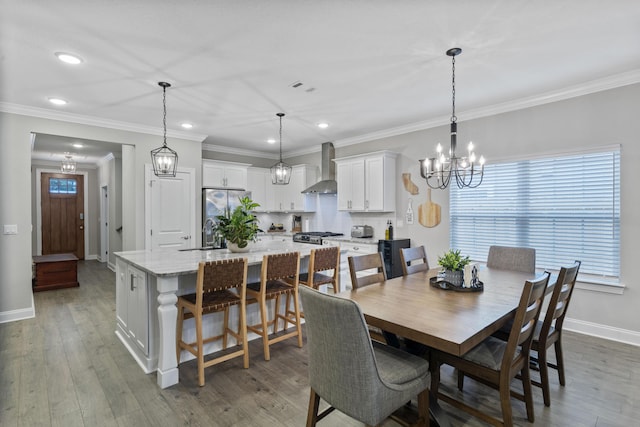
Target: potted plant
[[239, 226], [453, 267]]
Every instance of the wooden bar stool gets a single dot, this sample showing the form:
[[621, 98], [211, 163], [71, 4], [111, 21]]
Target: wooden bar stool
[[219, 285], [323, 260], [279, 276]]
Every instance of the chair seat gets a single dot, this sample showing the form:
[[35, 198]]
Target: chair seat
[[397, 366], [318, 279], [489, 353], [214, 301], [274, 287]]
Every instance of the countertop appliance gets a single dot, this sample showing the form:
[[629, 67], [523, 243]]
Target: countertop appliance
[[361, 231], [216, 201], [391, 255], [313, 237]]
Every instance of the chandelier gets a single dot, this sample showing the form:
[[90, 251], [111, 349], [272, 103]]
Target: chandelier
[[280, 172], [467, 170], [68, 164], [164, 159]]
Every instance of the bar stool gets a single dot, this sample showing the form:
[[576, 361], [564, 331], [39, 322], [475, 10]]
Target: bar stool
[[219, 286], [279, 276]]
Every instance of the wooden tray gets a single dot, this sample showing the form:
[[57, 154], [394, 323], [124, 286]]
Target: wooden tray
[[436, 282]]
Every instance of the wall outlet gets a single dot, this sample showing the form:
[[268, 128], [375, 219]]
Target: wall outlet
[[10, 229]]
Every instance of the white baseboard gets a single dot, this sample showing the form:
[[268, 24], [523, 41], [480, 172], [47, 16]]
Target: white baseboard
[[91, 257], [602, 331], [111, 266], [20, 314]]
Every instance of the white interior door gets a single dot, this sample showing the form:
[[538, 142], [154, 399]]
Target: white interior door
[[170, 205]]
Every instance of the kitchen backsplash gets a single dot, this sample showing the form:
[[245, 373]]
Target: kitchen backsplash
[[328, 218]]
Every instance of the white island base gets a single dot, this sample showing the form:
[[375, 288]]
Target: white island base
[[147, 287]]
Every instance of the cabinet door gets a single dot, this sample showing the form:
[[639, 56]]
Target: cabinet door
[[257, 185], [357, 183], [295, 198], [235, 177], [122, 294], [343, 177], [212, 175], [374, 184], [138, 313]]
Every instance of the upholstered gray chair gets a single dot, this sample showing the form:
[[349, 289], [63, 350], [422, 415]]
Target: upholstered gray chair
[[512, 258], [363, 379]]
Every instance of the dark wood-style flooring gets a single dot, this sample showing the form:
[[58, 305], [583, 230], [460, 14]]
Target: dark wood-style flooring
[[67, 368]]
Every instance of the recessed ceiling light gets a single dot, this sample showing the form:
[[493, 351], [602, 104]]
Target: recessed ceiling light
[[69, 58], [77, 145], [271, 141], [187, 125], [323, 125], [57, 101]]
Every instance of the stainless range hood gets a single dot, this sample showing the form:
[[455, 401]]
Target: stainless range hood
[[328, 185]]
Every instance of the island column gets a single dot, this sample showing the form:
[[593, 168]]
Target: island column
[[167, 287]]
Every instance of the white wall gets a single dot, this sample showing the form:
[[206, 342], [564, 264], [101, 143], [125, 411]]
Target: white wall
[[16, 300]]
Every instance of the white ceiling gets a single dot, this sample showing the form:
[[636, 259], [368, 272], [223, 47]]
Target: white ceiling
[[375, 67]]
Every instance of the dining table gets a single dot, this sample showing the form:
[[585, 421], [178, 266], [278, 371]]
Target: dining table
[[452, 321]]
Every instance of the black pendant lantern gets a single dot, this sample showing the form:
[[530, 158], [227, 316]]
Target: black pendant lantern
[[165, 160], [280, 172]]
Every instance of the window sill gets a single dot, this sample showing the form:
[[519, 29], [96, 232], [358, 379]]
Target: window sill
[[600, 286]]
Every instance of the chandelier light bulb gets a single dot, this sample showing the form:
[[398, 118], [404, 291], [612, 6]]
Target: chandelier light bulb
[[439, 148]]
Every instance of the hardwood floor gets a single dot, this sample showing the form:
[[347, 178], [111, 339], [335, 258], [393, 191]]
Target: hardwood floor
[[67, 368]]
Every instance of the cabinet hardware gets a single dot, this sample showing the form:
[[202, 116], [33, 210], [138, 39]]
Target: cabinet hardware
[[132, 277]]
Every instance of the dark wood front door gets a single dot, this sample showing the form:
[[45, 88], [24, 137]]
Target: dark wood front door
[[62, 214]]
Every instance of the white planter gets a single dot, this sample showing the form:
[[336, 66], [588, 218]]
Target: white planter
[[234, 248]]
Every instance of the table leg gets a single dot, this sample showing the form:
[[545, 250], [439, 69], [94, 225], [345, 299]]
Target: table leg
[[167, 317]]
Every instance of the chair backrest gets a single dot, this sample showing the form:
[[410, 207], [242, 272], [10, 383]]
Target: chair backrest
[[408, 256], [512, 258], [366, 262], [562, 291], [322, 259], [219, 275], [280, 266], [526, 318], [348, 383]]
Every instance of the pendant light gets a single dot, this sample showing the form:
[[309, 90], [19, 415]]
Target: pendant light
[[467, 170], [280, 172], [165, 160], [68, 164]]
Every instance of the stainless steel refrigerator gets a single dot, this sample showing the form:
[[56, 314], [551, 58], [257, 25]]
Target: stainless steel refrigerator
[[216, 202]]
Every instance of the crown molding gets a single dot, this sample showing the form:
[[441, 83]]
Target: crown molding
[[238, 151], [599, 85], [45, 113]]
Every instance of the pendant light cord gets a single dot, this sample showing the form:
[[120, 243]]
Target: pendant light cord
[[453, 89], [164, 114], [281, 115]]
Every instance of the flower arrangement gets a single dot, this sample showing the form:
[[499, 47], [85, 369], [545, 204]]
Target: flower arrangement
[[453, 261], [240, 225]]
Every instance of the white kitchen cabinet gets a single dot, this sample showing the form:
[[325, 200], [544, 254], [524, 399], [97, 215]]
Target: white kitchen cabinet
[[219, 174], [132, 311], [283, 198], [351, 248], [367, 183]]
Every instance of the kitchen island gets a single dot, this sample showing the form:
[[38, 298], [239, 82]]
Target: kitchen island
[[147, 287]]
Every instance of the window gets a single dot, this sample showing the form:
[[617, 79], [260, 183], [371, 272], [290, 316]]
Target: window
[[566, 207], [63, 186]]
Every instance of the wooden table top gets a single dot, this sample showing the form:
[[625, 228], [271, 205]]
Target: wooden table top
[[450, 321]]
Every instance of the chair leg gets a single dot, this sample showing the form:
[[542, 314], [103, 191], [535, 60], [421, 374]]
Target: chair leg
[[434, 368], [179, 332], [312, 414], [198, 318], [265, 332], [225, 328], [423, 408], [242, 331], [460, 375], [559, 361], [276, 313], [505, 400], [528, 394], [544, 375], [296, 308]]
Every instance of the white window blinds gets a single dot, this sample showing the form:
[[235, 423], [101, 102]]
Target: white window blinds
[[567, 208]]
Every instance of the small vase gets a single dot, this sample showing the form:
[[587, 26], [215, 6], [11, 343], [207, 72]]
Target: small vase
[[233, 247], [456, 278]]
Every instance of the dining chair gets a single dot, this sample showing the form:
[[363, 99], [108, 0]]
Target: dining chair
[[219, 286], [373, 262], [279, 276], [495, 362], [512, 258], [365, 380], [409, 256], [549, 331]]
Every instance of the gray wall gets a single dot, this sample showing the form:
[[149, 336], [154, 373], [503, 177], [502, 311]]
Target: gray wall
[[16, 299]]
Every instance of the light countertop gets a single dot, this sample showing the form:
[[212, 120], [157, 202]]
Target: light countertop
[[172, 262]]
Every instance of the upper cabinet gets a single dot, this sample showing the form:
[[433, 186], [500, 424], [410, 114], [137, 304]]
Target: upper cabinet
[[367, 183], [219, 174], [283, 198]]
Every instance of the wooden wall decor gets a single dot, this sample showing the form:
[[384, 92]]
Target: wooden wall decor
[[429, 212]]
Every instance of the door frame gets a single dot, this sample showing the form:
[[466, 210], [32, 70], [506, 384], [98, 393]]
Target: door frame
[[148, 178], [104, 224], [87, 220]]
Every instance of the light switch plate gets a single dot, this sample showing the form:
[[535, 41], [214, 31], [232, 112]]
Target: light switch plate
[[10, 229]]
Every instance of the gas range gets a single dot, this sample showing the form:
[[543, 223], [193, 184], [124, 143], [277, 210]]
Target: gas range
[[313, 237]]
